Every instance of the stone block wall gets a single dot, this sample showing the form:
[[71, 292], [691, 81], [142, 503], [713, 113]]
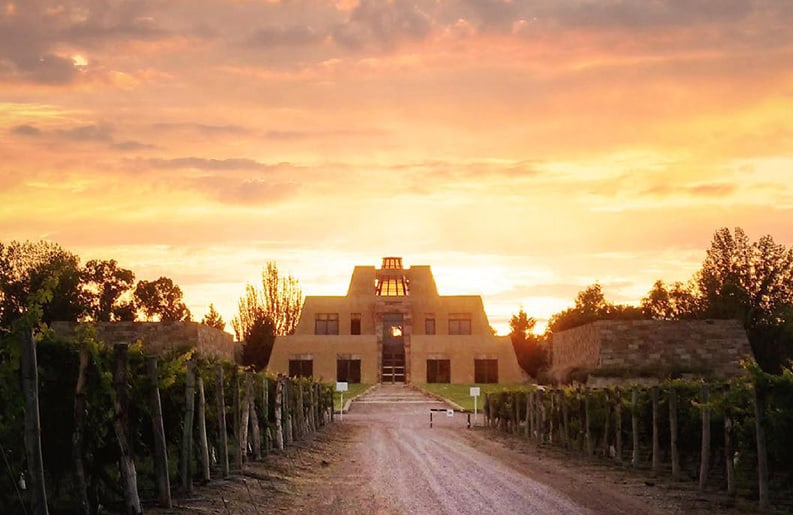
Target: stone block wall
[[712, 348], [715, 346], [160, 337]]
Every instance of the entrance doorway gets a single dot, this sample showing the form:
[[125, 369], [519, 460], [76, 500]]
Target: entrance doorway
[[393, 370]]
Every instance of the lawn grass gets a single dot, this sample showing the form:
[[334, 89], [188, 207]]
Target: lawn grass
[[460, 393], [355, 389]]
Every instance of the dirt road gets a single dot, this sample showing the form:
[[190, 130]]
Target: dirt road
[[398, 464], [385, 459]]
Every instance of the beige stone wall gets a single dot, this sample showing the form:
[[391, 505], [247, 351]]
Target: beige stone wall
[[713, 346], [324, 350], [160, 337], [575, 348], [461, 351]]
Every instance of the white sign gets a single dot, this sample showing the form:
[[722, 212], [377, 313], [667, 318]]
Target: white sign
[[341, 387], [474, 391], [449, 412]]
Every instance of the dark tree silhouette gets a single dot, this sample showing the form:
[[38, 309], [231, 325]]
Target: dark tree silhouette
[[161, 299], [213, 319], [104, 282]]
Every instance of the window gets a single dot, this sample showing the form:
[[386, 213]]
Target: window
[[355, 323], [391, 286], [460, 323], [348, 369], [326, 323], [429, 324], [486, 371], [301, 367], [439, 371]]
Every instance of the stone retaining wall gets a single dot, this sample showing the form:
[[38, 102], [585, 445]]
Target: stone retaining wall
[[160, 337], [710, 347]]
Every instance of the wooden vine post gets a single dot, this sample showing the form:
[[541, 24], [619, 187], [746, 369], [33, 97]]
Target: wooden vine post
[[704, 463], [129, 479], [607, 425], [528, 414], [551, 425], [78, 435], [618, 424], [266, 414], [673, 433], [587, 424], [254, 422], [30, 390], [186, 468], [565, 420], [541, 416], [235, 409], [656, 443], [635, 427], [279, 427], [515, 412], [760, 401], [244, 420], [532, 416], [288, 411], [729, 454], [202, 430], [158, 430], [223, 440]]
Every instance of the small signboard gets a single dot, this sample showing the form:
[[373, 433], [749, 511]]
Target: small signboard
[[449, 412], [474, 391], [341, 387]]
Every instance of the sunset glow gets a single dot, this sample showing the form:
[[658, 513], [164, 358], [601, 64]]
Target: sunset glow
[[522, 149]]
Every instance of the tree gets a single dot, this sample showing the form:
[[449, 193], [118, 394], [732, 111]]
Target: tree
[[529, 349], [275, 307], [678, 302], [161, 299], [104, 283], [213, 319], [591, 305], [752, 282], [24, 270]]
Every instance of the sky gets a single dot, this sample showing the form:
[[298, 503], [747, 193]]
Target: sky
[[523, 149]]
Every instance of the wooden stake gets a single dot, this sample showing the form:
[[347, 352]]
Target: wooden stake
[[235, 395], [78, 435], [704, 463], [729, 453], [279, 427], [635, 427], [618, 424], [30, 390], [760, 401], [186, 469], [656, 443], [223, 434], [245, 417], [587, 435], [158, 429], [202, 431], [129, 478], [673, 433]]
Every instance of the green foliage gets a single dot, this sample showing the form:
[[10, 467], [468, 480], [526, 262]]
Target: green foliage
[[280, 299], [27, 269], [104, 283], [530, 350], [213, 319], [590, 306], [161, 299]]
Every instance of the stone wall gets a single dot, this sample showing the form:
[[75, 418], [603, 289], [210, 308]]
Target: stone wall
[[712, 348], [160, 337]]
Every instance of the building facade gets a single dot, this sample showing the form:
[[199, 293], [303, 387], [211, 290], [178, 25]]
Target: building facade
[[393, 326]]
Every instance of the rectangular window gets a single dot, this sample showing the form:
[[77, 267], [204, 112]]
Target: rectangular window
[[301, 367], [439, 371], [348, 370], [460, 323], [429, 324], [355, 323], [326, 323], [486, 371]]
